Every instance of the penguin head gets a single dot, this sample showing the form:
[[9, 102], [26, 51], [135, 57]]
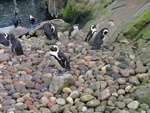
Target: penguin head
[[16, 13], [105, 31], [6, 36], [93, 28], [76, 27], [54, 48], [50, 22]]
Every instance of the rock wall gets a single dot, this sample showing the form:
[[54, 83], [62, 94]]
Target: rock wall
[[124, 18]]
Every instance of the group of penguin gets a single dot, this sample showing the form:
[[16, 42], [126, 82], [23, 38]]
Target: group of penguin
[[59, 59]]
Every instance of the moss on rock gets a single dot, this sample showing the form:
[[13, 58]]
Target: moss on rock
[[137, 25]]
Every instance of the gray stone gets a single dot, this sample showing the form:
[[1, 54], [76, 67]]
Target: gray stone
[[144, 106], [3, 57], [121, 81], [100, 109], [134, 80], [140, 69], [45, 110], [120, 104], [91, 110], [93, 103], [19, 31], [104, 94], [133, 105], [94, 85], [30, 85], [54, 108], [86, 98], [59, 82]]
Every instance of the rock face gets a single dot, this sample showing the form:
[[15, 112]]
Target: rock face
[[142, 94], [19, 31], [59, 82]]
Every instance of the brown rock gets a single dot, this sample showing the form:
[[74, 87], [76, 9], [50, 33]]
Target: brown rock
[[27, 70]]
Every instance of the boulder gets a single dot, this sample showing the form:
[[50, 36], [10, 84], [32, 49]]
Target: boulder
[[59, 82], [60, 24], [19, 31], [142, 94]]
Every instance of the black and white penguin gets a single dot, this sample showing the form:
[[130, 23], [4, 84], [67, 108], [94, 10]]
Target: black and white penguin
[[98, 41], [3, 39], [91, 33], [16, 19], [50, 31], [15, 45], [31, 19], [59, 59], [73, 31]]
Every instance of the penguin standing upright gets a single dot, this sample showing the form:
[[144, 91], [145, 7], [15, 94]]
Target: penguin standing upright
[[90, 34], [3, 39], [98, 41], [73, 31], [59, 59], [15, 45], [50, 31], [31, 19], [16, 19]]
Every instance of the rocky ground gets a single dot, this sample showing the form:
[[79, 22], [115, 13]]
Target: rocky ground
[[102, 79]]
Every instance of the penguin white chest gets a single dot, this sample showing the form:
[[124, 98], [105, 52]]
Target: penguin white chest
[[59, 67]]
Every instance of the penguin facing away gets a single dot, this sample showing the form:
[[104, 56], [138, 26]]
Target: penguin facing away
[[98, 41], [3, 39], [59, 59], [73, 31], [15, 45], [90, 34], [31, 19], [16, 19], [50, 31]]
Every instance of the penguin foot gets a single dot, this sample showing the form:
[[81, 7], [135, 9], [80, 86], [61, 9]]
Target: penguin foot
[[60, 73]]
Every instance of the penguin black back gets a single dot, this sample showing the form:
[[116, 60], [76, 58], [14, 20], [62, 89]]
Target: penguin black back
[[50, 31], [93, 30], [98, 41], [15, 45], [31, 19], [16, 20]]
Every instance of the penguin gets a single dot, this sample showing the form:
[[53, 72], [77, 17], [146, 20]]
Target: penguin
[[31, 19], [59, 59], [3, 39], [73, 31], [15, 45], [50, 31], [16, 20], [98, 41], [90, 34]]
